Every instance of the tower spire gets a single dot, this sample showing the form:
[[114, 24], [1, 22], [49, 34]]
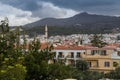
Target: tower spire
[[46, 33]]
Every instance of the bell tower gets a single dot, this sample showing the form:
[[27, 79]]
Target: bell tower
[[46, 33]]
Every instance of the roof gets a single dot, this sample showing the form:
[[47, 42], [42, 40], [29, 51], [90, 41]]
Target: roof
[[114, 44], [83, 47], [42, 46], [73, 47], [103, 48], [68, 47]]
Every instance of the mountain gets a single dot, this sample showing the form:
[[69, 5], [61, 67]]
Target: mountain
[[83, 22], [82, 18]]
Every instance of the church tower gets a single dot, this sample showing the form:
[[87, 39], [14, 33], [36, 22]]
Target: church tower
[[46, 33]]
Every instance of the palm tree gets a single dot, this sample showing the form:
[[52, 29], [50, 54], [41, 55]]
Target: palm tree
[[97, 41]]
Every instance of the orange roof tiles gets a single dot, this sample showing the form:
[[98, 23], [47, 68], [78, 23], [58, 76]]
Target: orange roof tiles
[[44, 45], [83, 47], [75, 47], [70, 47], [114, 44]]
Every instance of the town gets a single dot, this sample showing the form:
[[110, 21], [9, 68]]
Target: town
[[59, 39], [78, 46]]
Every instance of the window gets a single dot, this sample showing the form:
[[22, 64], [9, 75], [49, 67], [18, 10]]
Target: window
[[103, 52], [54, 61], [55, 54], [60, 55], [107, 64], [72, 62], [93, 52], [83, 52], [78, 55], [72, 55], [118, 53], [89, 63]]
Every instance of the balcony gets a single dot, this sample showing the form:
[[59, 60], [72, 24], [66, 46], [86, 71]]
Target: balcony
[[78, 56], [70, 56], [94, 67], [61, 56], [95, 56], [101, 69]]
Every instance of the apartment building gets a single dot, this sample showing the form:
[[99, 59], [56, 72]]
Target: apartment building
[[103, 59], [69, 54]]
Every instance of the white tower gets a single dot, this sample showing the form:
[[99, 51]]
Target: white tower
[[46, 33]]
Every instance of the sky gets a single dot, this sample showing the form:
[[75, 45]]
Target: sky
[[21, 12]]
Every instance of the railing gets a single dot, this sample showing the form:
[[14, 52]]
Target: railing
[[60, 56], [70, 56], [78, 56], [94, 56]]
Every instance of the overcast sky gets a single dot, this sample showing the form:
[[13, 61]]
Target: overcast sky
[[20, 12]]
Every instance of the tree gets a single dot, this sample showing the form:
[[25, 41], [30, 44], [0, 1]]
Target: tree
[[11, 58], [4, 26], [115, 64], [60, 72], [115, 74], [18, 64], [92, 75], [36, 61], [97, 41], [82, 65]]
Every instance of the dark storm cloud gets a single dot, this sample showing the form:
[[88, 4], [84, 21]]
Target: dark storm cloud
[[23, 4], [107, 7], [73, 4], [78, 4], [24, 11]]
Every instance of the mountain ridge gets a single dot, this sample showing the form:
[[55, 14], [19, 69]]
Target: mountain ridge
[[80, 18], [80, 23]]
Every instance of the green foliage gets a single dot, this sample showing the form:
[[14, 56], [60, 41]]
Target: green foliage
[[11, 57], [115, 64], [92, 75], [4, 26], [67, 30], [114, 74], [36, 61], [16, 72], [82, 65], [97, 41], [18, 64], [57, 71]]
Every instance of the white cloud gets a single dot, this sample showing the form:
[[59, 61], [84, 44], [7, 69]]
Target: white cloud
[[20, 17], [16, 16], [50, 10]]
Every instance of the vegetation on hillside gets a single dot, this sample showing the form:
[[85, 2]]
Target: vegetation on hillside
[[66, 30], [83, 23]]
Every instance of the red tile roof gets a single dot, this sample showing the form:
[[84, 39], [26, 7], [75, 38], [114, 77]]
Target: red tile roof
[[68, 47], [114, 44], [74, 47], [83, 47]]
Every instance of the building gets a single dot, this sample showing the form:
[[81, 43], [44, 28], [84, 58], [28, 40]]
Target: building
[[68, 54], [103, 59]]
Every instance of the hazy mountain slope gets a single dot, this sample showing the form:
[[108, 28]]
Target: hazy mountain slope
[[83, 18], [80, 23]]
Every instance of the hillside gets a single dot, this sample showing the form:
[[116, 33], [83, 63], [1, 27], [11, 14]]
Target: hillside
[[80, 23]]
